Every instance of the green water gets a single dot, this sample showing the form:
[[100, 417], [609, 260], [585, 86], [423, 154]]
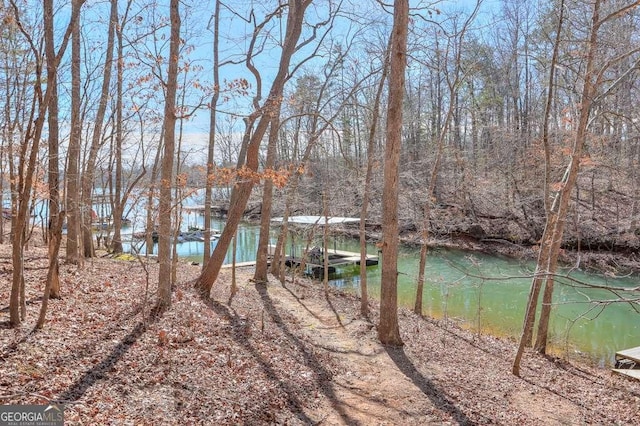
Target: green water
[[488, 293]]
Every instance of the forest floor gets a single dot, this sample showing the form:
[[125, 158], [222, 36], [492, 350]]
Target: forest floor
[[274, 354]]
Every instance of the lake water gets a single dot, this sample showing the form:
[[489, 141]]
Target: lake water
[[484, 292]]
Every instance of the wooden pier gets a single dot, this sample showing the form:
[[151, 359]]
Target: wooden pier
[[220, 209], [314, 260], [199, 208], [239, 264], [628, 363]]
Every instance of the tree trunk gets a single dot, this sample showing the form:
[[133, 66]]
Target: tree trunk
[[96, 142], [558, 211], [26, 177], [453, 84], [422, 264], [234, 253], [262, 255], [118, 201], [277, 263], [56, 237], [72, 175], [167, 178], [560, 208], [366, 193], [53, 277], [534, 293], [388, 330], [150, 221], [242, 190], [325, 243], [211, 165], [179, 196]]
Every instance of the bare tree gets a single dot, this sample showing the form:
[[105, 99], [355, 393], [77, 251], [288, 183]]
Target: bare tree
[[54, 231], [260, 275], [388, 330], [118, 199], [167, 178], [88, 175], [72, 175], [262, 116], [366, 191], [454, 78], [527, 329], [31, 143], [212, 135], [593, 82]]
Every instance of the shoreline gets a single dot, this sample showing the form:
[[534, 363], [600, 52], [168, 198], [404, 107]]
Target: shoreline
[[606, 263]]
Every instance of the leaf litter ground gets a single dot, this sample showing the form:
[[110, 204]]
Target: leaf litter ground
[[277, 354]]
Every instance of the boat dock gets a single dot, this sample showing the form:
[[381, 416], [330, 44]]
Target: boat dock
[[628, 363], [314, 260], [200, 208], [220, 209]]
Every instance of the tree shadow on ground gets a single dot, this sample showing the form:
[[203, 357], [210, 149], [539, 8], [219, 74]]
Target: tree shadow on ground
[[458, 335], [579, 403], [581, 373], [333, 309], [77, 389], [437, 396], [28, 302], [13, 346], [306, 308], [310, 358], [299, 300], [99, 371], [242, 338]]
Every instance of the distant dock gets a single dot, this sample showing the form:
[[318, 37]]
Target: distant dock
[[314, 260], [200, 208], [220, 209]]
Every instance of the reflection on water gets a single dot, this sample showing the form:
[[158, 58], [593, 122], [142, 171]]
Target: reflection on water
[[485, 292]]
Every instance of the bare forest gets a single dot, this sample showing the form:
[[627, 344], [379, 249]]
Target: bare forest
[[509, 127]]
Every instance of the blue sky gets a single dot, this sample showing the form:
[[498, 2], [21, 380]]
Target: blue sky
[[198, 128], [196, 20]]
